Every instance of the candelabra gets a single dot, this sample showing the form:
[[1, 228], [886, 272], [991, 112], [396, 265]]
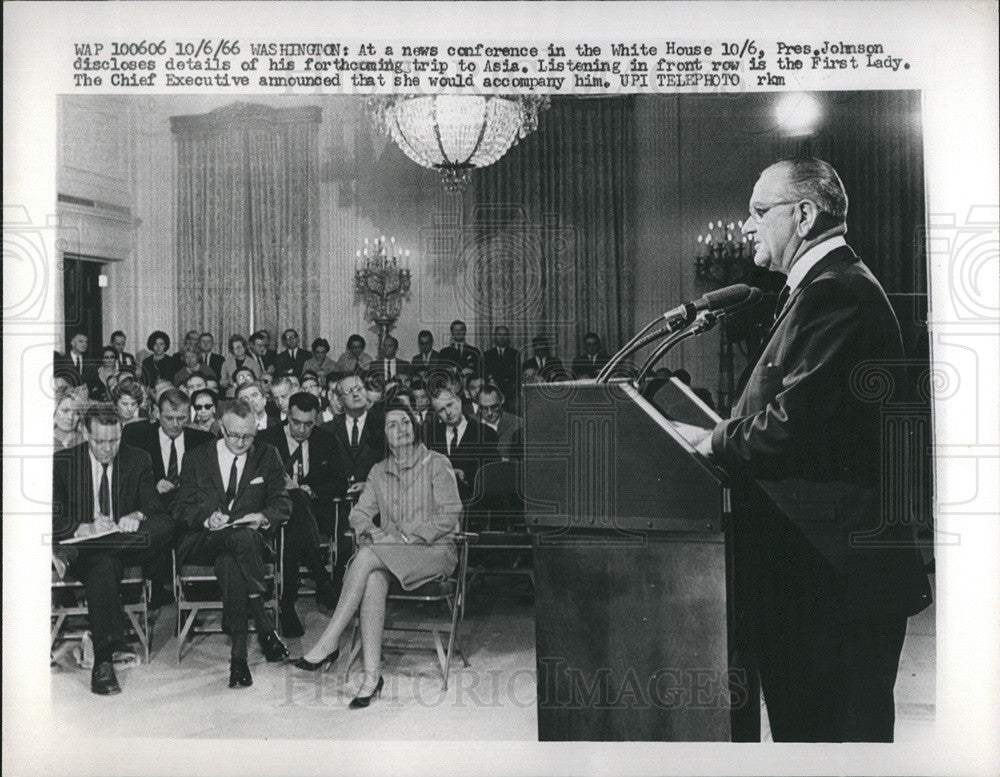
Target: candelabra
[[382, 281]]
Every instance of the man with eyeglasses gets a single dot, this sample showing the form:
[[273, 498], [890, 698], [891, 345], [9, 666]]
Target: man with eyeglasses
[[829, 579], [232, 501], [506, 425], [360, 431], [313, 470]]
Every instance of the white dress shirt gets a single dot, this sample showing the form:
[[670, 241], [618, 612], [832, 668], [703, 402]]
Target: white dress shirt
[[226, 457], [809, 259], [292, 445], [165, 450]]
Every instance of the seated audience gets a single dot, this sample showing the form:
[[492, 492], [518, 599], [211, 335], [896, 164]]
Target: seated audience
[[374, 389], [190, 344], [359, 433], [466, 442], [259, 353], [235, 479], [238, 359], [422, 406], [291, 361], [426, 356], [312, 473], [508, 427], [97, 487], [206, 355], [254, 396], [66, 430], [192, 365], [159, 365], [593, 358], [550, 368], [98, 383], [123, 359], [355, 360], [413, 492], [241, 376], [387, 365], [320, 363], [310, 384], [281, 391], [470, 397], [204, 412], [333, 407], [128, 398], [459, 353], [74, 362]]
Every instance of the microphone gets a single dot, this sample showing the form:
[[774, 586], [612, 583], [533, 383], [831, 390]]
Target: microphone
[[737, 294]]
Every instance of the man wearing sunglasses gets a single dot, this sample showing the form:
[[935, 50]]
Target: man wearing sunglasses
[[830, 576], [232, 501]]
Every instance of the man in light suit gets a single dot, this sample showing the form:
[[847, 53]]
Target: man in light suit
[[829, 579], [98, 486], [235, 479]]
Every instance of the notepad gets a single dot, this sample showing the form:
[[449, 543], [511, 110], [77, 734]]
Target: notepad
[[97, 536]]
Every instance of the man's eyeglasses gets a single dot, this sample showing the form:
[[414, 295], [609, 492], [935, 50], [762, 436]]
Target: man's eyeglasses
[[759, 213], [240, 437]]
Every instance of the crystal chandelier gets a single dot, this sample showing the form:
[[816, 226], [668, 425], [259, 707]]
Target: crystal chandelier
[[456, 133]]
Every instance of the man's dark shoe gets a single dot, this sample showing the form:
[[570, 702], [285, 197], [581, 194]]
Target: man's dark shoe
[[291, 626], [103, 680], [273, 648], [239, 674]]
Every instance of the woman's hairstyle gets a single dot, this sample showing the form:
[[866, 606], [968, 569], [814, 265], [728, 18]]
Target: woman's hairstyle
[[356, 339], [399, 404], [158, 335], [131, 388], [319, 342], [109, 349], [237, 339], [70, 394]]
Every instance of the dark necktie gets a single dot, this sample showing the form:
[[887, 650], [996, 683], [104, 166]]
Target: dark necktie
[[354, 434], [79, 363], [104, 494], [782, 299], [172, 466], [231, 488], [452, 438]]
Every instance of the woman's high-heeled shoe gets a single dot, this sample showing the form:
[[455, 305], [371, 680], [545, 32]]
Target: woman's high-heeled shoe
[[359, 702], [309, 666]]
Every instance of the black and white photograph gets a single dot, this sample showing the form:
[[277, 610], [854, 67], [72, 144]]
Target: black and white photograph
[[519, 419]]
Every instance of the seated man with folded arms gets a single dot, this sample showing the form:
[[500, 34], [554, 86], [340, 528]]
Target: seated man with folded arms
[[235, 479], [313, 476], [99, 486]]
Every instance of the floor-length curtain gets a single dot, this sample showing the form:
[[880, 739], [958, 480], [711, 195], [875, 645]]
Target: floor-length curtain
[[247, 219], [553, 230]]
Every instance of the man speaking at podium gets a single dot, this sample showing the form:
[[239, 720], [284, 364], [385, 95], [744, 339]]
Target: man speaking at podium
[[830, 581]]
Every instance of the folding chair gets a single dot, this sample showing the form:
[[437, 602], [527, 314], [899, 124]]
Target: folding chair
[[135, 591], [190, 580], [496, 515], [450, 592], [328, 543]]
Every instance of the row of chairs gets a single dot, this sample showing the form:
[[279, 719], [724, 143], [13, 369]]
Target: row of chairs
[[492, 521]]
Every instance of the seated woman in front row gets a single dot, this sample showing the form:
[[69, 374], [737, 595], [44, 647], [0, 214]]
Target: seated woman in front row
[[415, 493]]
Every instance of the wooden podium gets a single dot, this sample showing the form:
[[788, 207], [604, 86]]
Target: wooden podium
[[635, 608]]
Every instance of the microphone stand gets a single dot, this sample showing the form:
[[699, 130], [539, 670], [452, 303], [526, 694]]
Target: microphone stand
[[637, 342], [706, 320]]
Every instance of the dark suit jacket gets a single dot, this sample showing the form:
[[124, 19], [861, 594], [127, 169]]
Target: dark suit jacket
[[477, 448], [146, 437], [502, 369], [153, 370], [132, 488], [805, 430], [215, 362], [284, 364], [371, 446], [378, 367], [202, 491], [510, 443], [125, 360], [553, 370], [418, 363], [584, 368], [327, 477], [470, 357]]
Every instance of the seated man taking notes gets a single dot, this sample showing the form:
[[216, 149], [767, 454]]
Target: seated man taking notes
[[102, 487], [235, 480]]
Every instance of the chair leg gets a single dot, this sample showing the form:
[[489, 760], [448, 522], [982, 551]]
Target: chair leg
[[188, 623], [443, 659], [56, 628], [141, 632], [355, 650]]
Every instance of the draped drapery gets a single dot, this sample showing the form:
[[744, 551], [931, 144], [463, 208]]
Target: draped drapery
[[248, 219], [552, 220]]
